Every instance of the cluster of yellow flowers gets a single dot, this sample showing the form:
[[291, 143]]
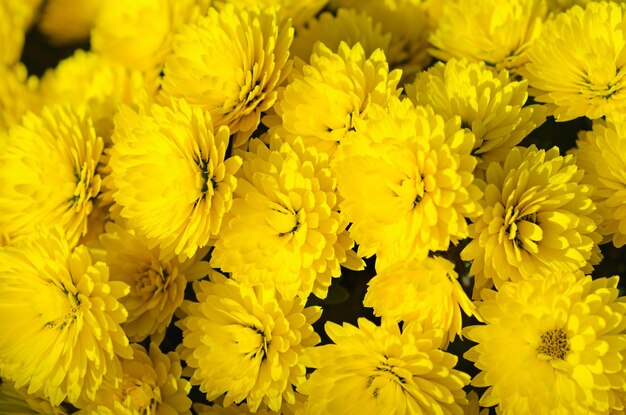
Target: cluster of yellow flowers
[[176, 202]]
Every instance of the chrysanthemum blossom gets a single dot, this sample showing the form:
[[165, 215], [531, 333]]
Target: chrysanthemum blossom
[[495, 32], [348, 25], [284, 229], [63, 315], [151, 384], [19, 94], [230, 63], [552, 345], [135, 33], [246, 342], [48, 173], [373, 369], [585, 80], [407, 184], [601, 153], [157, 283], [409, 24], [539, 217], [86, 78], [490, 104], [300, 12], [323, 100], [425, 292], [170, 175]]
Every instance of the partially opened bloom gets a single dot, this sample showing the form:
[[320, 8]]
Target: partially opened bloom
[[284, 229], [347, 25], [373, 369], [425, 292], [323, 100], [539, 217], [300, 12], [585, 80], [552, 345], [409, 24], [601, 153], [407, 183], [48, 173], [151, 384], [490, 104], [230, 63], [246, 342], [157, 282], [63, 315], [493, 31], [170, 175]]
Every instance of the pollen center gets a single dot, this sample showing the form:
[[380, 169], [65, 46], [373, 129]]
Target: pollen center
[[554, 343]]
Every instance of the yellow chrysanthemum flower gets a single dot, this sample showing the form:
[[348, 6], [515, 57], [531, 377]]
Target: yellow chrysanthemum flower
[[382, 370], [494, 31], [585, 80], [284, 229], [48, 173], [347, 25], [230, 63], [67, 21], [63, 315], [601, 153], [18, 94], [425, 292], [552, 345], [408, 22], [323, 100], [406, 180], [157, 283], [18, 402], [171, 177], [490, 104], [247, 342], [299, 11], [539, 217], [151, 384], [88, 79]]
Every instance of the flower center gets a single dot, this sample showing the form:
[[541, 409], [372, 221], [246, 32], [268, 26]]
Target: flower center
[[140, 395], [205, 180], [384, 374], [554, 344], [59, 307]]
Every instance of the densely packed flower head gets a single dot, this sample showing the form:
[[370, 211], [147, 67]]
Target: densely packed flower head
[[157, 281], [420, 291], [601, 153], [371, 369], [192, 190], [63, 315], [171, 176], [284, 229], [563, 336], [230, 63], [48, 171], [323, 100], [490, 104], [496, 32], [539, 217], [586, 80], [151, 383], [400, 174], [247, 342]]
